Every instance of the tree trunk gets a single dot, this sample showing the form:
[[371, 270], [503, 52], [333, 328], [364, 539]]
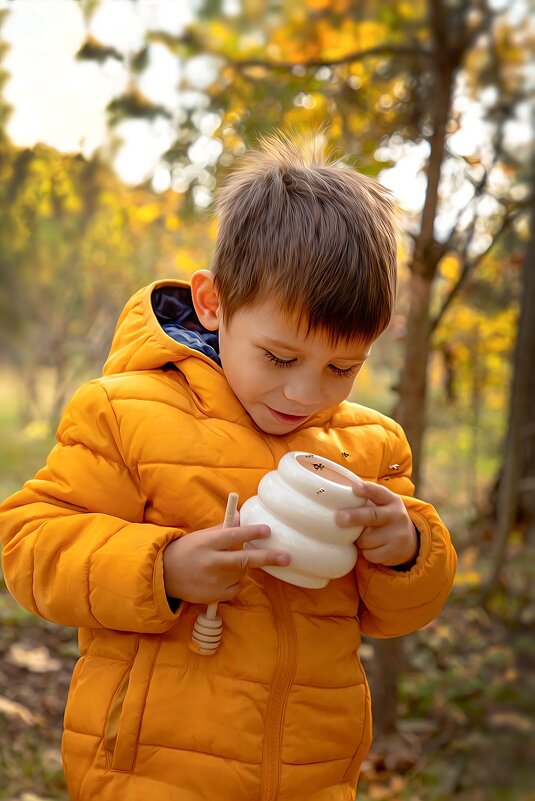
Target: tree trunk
[[516, 491], [388, 659], [410, 410], [412, 387]]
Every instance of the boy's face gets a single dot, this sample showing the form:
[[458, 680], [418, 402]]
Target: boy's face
[[281, 376]]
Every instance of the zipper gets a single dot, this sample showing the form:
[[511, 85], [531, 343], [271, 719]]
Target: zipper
[[285, 443], [278, 446], [283, 678]]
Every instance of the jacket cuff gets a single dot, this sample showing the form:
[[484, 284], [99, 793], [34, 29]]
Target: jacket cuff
[[170, 608]]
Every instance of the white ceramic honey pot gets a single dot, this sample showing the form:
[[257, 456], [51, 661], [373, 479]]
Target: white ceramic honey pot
[[299, 502]]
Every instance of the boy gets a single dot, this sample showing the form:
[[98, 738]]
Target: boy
[[206, 387]]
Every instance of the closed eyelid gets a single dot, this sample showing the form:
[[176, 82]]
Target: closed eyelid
[[278, 360], [346, 371], [289, 361]]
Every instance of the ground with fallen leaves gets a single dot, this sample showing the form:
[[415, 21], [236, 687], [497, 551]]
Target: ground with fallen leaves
[[36, 660], [467, 704]]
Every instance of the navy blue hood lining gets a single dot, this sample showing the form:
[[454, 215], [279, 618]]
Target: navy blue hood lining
[[176, 314]]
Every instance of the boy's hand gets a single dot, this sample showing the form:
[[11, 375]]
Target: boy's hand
[[207, 566], [389, 536]]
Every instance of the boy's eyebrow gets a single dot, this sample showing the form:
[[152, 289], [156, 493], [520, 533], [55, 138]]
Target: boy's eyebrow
[[280, 344], [360, 358]]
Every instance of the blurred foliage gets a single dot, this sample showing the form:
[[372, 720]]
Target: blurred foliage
[[379, 78], [77, 243]]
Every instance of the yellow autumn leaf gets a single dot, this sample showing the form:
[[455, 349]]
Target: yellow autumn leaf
[[336, 127], [469, 556], [319, 5], [146, 214], [337, 42], [410, 9], [219, 35], [370, 33], [37, 430], [467, 578], [450, 267], [172, 223], [185, 262], [212, 229], [72, 203]]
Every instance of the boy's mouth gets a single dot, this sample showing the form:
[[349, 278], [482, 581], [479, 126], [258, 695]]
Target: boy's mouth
[[288, 418]]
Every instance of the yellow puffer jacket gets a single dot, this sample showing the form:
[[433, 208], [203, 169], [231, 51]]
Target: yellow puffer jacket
[[147, 454]]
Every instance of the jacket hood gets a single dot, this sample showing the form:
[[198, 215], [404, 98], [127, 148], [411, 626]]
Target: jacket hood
[[157, 326]]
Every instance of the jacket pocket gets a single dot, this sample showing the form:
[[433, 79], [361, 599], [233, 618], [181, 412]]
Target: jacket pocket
[[123, 724]]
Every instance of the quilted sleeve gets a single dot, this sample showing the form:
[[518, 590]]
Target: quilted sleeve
[[75, 548], [394, 603]]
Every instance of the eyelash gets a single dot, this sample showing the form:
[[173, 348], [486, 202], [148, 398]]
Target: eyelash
[[279, 362], [351, 371]]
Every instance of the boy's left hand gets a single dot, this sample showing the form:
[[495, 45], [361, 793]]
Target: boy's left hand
[[389, 536]]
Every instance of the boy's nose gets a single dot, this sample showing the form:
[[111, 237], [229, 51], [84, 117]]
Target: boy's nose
[[304, 393]]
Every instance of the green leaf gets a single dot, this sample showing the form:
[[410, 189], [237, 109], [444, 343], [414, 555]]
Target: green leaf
[[92, 50], [135, 104]]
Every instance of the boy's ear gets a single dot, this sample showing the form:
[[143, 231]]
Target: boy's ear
[[205, 299]]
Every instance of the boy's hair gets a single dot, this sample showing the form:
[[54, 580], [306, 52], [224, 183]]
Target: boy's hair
[[310, 233]]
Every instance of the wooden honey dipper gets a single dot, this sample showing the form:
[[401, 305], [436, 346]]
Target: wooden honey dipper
[[208, 629]]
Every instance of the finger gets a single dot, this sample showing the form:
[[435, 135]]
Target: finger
[[374, 492], [255, 557], [233, 538], [376, 556], [371, 539], [368, 515]]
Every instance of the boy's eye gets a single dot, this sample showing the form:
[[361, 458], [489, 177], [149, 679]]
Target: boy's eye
[[348, 372], [278, 361]]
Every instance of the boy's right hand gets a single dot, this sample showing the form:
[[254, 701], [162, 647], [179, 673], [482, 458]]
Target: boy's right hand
[[207, 566]]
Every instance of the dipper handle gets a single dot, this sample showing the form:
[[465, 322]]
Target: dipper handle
[[208, 628]]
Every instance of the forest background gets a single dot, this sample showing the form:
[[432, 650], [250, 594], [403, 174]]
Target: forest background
[[104, 189]]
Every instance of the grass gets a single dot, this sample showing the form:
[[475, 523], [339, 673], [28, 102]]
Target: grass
[[23, 449]]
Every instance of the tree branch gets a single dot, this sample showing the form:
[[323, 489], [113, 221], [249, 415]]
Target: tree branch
[[470, 264], [356, 55], [480, 187]]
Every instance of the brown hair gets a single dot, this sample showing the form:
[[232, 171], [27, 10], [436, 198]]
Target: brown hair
[[311, 233]]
